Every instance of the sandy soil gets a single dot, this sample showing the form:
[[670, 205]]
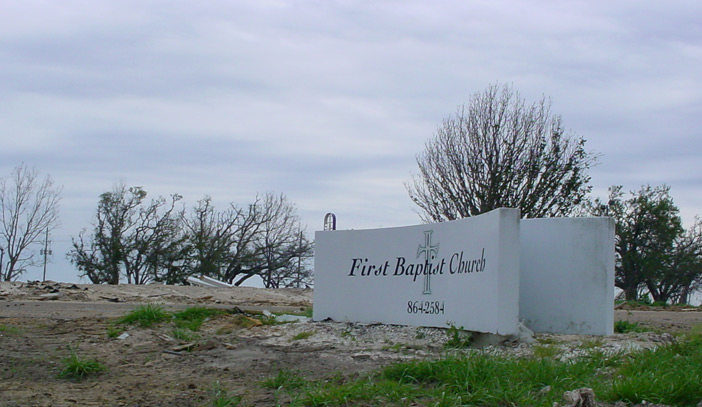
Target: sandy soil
[[41, 323]]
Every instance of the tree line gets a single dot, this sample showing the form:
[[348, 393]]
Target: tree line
[[141, 241], [496, 151]]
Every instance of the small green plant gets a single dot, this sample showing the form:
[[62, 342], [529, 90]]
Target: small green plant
[[185, 335], [223, 398], [622, 327], [145, 316], [78, 368], [193, 318], [547, 340], [591, 343], [545, 351], [347, 333], [285, 379], [458, 337], [114, 331], [302, 335], [9, 329]]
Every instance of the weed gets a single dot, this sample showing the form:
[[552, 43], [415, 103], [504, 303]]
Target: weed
[[145, 315], [9, 329], [222, 398], [622, 327], [547, 340], [545, 351], [192, 318], [458, 337], [592, 343], [185, 335], [347, 333], [695, 332], [302, 335], [285, 379], [77, 368], [114, 331]]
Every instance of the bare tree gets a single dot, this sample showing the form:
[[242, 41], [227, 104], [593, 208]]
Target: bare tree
[[28, 208], [497, 151], [262, 239], [282, 244]]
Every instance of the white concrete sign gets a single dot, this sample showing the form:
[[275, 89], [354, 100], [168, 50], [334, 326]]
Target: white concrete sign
[[483, 273], [567, 275], [464, 272]]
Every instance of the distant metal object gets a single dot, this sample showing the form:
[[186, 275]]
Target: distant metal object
[[329, 221]]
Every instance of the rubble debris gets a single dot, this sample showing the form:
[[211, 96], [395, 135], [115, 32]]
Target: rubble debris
[[583, 397]]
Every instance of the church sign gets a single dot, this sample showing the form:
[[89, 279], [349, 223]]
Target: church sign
[[484, 273], [463, 273]]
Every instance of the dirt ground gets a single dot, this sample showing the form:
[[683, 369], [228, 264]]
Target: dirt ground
[[41, 323]]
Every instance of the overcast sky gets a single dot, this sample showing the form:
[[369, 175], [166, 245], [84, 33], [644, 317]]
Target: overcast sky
[[327, 101]]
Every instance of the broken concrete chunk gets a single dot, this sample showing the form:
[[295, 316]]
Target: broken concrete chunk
[[291, 318], [583, 397]]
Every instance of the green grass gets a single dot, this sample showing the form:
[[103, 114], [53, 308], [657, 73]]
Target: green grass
[[145, 316], [547, 340], [148, 315], [545, 351], [220, 397], [285, 379], [670, 374], [591, 343], [114, 331], [623, 327], [9, 329], [78, 368], [185, 335], [193, 318], [458, 337], [302, 335]]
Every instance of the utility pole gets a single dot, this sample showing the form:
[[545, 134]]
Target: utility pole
[[45, 252], [299, 264]]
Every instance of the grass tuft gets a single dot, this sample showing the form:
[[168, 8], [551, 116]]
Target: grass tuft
[[9, 329], [77, 368], [193, 318], [223, 398], [623, 327], [184, 335], [114, 331], [145, 315], [285, 379], [458, 337], [302, 335]]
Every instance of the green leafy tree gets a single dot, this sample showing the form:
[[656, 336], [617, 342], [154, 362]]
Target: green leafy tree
[[498, 151], [131, 239], [654, 251]]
